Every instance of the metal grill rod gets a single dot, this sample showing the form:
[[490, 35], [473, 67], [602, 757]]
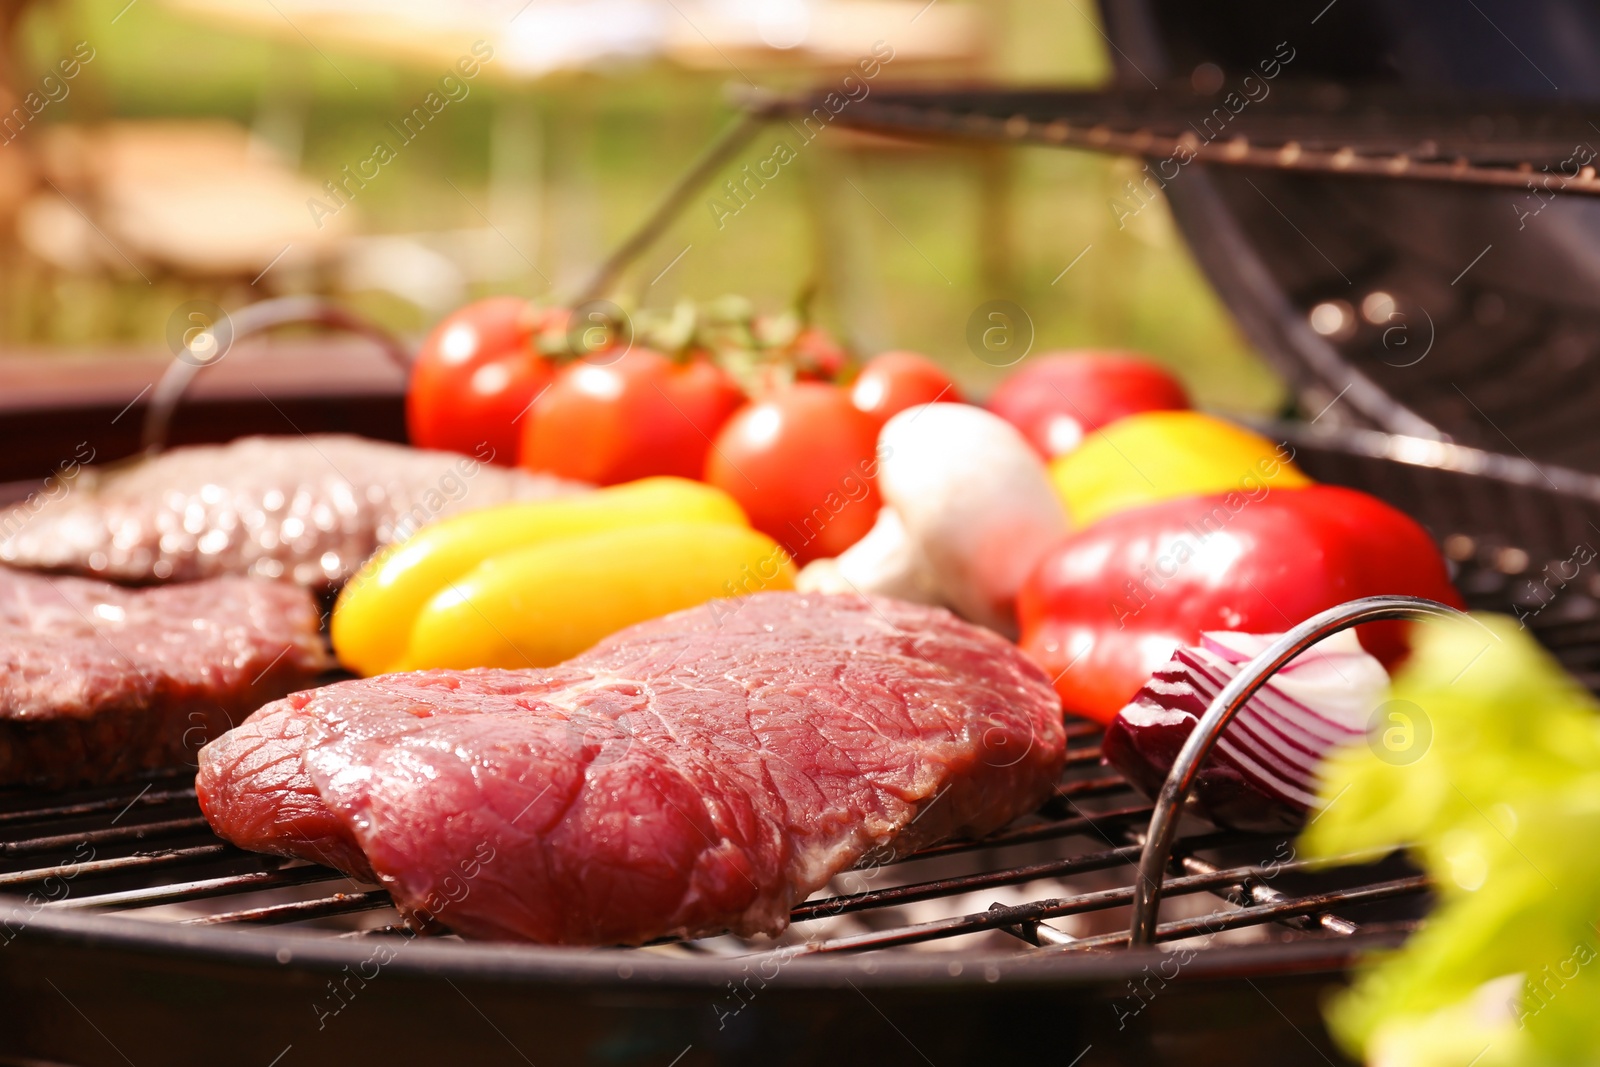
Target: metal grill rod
[[110, 836], [1078, 824], [322, 907], [1289, 907], [1107, 132], [999, 917], [1246, 894], [201, 888], [151, 798], [910, 894], [120, 864]]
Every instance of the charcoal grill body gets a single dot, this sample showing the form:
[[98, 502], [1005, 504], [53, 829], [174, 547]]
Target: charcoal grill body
[[167, 999], [1512, 338], [81, 986], [1509, 377]]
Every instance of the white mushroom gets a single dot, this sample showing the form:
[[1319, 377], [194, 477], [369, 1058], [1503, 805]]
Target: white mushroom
[[971, 511], [884, 562]]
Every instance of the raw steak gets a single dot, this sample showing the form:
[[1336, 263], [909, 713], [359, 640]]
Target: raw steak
[[310, 509], [98, 682], [701, 772]]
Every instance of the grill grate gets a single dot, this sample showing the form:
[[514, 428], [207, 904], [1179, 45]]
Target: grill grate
[[142, 851], [125, 904], [1317, 129], [1059, 881]]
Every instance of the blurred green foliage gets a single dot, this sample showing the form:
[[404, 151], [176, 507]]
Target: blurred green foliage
[[902, 241], [1497, 808]]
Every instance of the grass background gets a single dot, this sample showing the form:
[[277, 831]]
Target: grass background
[[903, 242]]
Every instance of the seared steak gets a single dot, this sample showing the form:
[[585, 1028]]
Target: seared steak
[[309, 509], [98, 682], [701, 772]]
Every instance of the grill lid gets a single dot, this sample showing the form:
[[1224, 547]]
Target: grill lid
[[1474, 308]]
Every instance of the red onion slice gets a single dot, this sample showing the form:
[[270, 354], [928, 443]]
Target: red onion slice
[[1262, 774]]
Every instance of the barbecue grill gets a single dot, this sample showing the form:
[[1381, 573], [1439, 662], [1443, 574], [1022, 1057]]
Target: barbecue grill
[[1342, 206]]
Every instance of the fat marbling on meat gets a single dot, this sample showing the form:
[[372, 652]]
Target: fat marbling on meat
[[700, 772], [309, 509]]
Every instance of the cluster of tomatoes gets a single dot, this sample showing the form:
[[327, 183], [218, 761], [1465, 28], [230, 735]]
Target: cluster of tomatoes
[[766, 418]]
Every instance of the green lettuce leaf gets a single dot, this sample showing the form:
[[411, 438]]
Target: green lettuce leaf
[[1485, 762]]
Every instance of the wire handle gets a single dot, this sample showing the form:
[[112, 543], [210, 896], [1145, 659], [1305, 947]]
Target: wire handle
[[1175, 790], [247, 321]]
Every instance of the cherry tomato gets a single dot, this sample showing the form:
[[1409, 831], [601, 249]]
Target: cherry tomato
[[1059, 397], [817, 356], [802, 464], [638, 416], [474, 377], [894, 381]]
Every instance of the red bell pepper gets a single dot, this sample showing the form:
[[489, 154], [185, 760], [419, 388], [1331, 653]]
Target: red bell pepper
[[1109, 605]]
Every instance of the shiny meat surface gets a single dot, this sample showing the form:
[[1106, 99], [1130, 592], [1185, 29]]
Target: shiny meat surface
[[98, 682], [701, 772], [310, 509]]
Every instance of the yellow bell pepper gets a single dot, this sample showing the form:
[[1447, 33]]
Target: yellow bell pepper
[[371, 626], [537, 606], [1159, 455]]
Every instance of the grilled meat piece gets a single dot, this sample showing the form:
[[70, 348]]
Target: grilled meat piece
[[701, 772], [310, 509], [98, 682]]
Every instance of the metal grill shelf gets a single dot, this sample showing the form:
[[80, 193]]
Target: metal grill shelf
[[1327, 129], [167, 867]]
